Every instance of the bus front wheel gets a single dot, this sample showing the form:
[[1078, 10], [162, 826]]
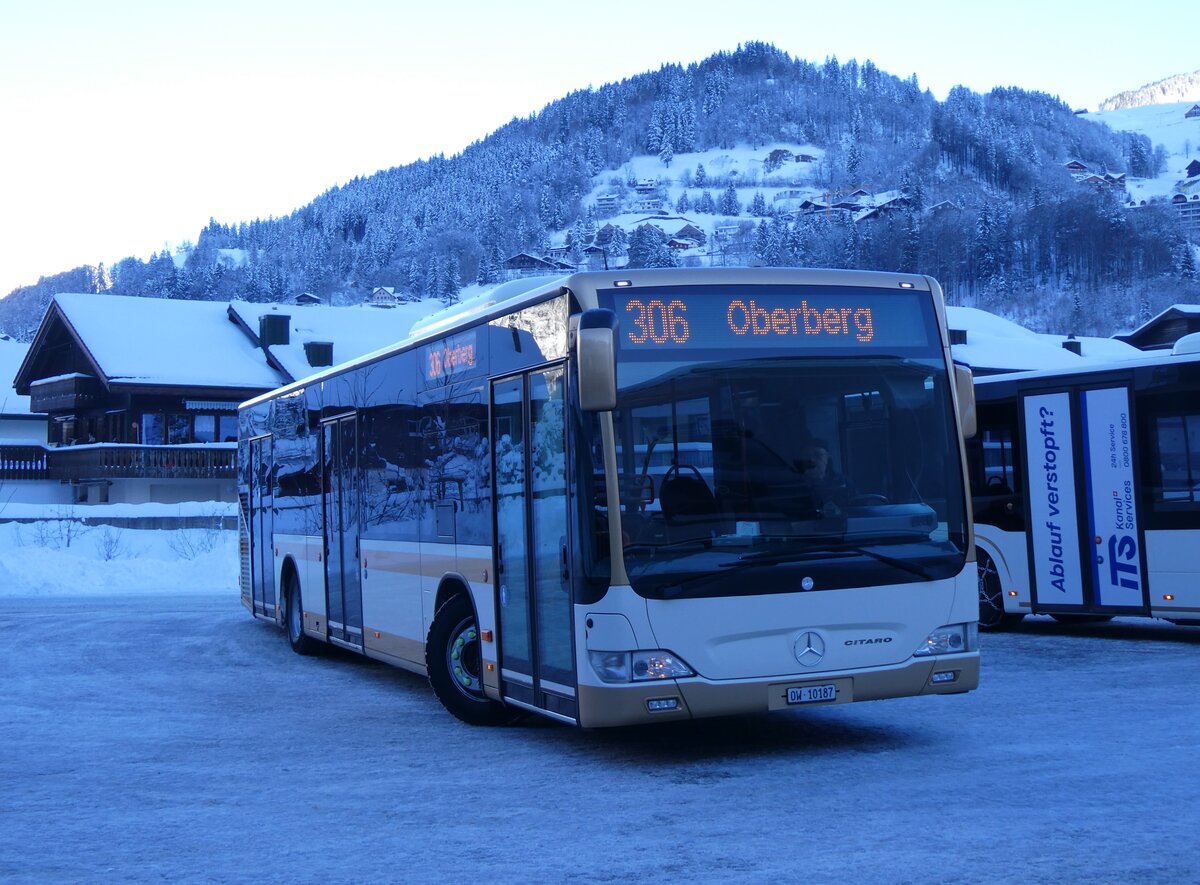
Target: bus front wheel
[[293, 618], [992, 615], [452, 656]]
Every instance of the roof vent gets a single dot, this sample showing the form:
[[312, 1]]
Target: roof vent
[[1074, 345], [319, 353], [274, 328], [958, 336]]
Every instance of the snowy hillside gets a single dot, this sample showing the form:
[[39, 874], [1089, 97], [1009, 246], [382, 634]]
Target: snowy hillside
[[1181, 87], [1165, 125]]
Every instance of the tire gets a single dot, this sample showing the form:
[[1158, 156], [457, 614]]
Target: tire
[[293, 618], [992, 616], [455, 665]]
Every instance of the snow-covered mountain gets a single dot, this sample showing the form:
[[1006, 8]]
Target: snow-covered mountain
[[1181, 87]]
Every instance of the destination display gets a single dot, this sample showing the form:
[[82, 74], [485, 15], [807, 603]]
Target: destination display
[[772, 317], [449, 358], [1112, 502], [1053, 523]]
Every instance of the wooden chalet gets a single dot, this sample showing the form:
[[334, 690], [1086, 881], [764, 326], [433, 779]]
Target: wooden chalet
[[1193, 111], [1193, 169], [139, 396], [383, 296], [690, 232], [1077, 168], [1162, 331], [524, 263]]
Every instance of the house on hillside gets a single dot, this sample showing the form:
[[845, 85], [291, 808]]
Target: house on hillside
[[139, 396], [1077, 168], [944, 206], [1193, 111], [608, 202], [1188, 209], [595, 258], [646, 185], [524, 264], [1193, 169], [382, 296], [690, 232]]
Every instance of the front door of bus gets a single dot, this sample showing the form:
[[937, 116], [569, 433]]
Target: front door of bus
[[533, 545], [262, 503], [339, 455]]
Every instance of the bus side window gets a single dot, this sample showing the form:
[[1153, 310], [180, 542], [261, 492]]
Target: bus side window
[[1176, 483]]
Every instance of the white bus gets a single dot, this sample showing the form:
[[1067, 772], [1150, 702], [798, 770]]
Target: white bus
[[594, 498], [1086, 491]]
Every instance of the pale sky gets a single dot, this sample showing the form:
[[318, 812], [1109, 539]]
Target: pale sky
[[127, 124]]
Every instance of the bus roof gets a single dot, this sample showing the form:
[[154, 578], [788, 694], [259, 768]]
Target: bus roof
[[1006, 383], [527, 291]]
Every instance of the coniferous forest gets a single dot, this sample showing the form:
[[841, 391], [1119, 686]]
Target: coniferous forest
[[1025, 239]]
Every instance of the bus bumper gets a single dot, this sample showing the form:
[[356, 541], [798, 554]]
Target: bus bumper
[[697, 698]]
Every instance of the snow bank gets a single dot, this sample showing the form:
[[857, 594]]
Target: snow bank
[[63, 558]]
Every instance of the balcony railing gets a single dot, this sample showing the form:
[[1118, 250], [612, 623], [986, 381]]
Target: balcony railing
[[118, 461]]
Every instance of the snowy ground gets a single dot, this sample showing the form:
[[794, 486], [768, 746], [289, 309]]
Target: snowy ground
[[162, 734]]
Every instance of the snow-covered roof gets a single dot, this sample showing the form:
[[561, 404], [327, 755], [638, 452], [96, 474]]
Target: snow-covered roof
[[1176, 309], [12, 353], [353, 331], [166, 342], [999, 345]]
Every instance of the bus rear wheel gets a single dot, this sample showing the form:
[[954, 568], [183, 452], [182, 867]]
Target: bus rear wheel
[[992, 615], [293, 618], [455, 664]]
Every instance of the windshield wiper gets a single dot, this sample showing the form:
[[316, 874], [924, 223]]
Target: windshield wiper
[[780, 557]]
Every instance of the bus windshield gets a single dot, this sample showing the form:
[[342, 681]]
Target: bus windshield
[[784, 473]]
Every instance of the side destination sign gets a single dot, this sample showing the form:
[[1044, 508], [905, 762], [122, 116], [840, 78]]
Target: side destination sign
[[1112, 514], [1054, 527]]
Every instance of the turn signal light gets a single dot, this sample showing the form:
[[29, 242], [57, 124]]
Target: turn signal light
[[1012, 592], [1169, 597]]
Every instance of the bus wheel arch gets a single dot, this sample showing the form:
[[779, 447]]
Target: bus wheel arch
[[293, 610], [454, 661], [992, 615]]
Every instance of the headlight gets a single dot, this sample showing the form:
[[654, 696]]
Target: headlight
[[949, 640], [638, 666]]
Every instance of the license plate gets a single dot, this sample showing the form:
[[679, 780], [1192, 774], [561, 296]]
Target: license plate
[[810, 694]]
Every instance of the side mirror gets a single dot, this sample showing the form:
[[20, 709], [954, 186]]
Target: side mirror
[[964, 387], [596, 352]]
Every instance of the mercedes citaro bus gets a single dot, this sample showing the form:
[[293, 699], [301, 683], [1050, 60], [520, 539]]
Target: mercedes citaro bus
[[594, 498]]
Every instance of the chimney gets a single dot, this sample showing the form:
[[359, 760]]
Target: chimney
[[1073, 345], [274, 328], [958, 336], [319, 353]]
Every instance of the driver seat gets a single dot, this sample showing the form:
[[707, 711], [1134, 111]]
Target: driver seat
[[688, 506]]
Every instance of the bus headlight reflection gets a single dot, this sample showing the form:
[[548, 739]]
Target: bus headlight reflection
[[949, 640], [638, 666]]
